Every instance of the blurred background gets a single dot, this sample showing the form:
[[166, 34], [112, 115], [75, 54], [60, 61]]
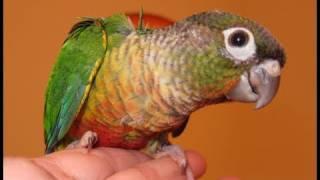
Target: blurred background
[[275, 143]]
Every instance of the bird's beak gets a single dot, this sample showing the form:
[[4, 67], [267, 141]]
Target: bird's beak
[[260, 84]]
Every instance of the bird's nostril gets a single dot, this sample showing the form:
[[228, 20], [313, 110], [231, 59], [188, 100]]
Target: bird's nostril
[[272, 67]]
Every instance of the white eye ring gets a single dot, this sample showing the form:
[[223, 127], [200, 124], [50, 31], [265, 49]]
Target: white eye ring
[[244, 52]]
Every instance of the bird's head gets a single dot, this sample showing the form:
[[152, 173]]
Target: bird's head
[[246, 50]]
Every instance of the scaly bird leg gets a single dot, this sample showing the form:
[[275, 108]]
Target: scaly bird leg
[[178, 155], [87, 140], [160, 146]]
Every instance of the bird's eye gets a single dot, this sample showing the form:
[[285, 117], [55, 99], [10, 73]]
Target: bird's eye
[[239, 42], [238, 38]]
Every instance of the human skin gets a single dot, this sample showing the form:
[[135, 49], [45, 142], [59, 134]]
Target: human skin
[[100, 163]]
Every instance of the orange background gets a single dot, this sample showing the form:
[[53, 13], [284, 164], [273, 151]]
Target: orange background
[[275, 143]]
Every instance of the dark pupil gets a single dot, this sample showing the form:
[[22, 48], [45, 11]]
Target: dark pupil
[[238, 38]]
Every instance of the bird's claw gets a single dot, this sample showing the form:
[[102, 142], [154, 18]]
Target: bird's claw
[[178, 155], [87, 140]]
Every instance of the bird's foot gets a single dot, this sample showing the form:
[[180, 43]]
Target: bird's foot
[[178, 155], [87, 140]]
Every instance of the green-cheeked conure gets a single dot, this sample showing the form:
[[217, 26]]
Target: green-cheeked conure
[[117, 86]]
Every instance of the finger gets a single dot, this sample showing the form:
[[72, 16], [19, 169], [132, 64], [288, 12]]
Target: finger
[[197, 163], [122, 158], [162, 168], [98, 163], [155, 169]]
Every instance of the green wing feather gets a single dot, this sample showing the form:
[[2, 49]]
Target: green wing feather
[[79, 59]]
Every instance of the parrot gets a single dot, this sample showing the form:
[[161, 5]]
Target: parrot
[[114, 85]]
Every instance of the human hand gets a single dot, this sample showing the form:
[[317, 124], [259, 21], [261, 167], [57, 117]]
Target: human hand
[[100, 163]]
